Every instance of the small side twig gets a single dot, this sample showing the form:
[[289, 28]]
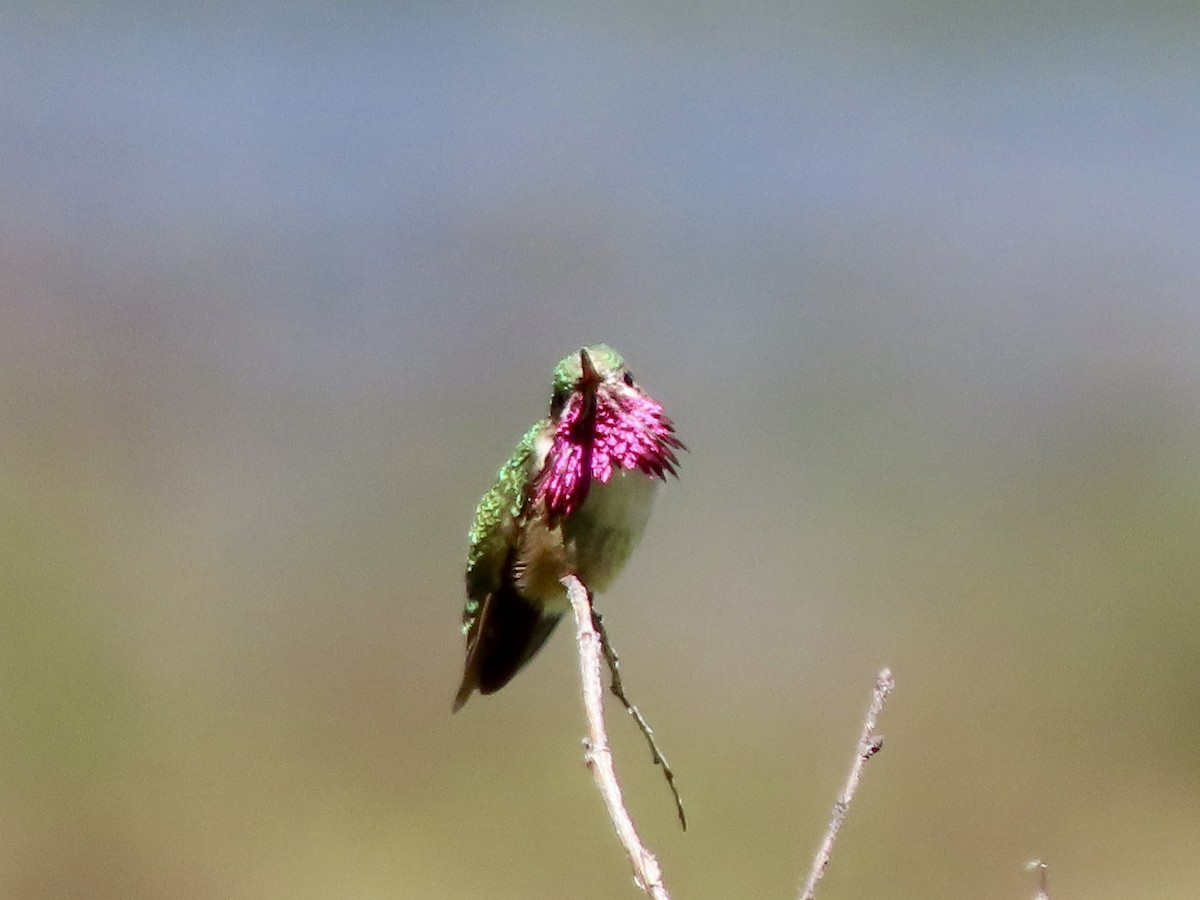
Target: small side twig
[[647, 873], [868, 745], [618, 689]]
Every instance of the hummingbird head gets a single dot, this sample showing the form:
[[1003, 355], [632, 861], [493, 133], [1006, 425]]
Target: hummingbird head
[[602, 421]]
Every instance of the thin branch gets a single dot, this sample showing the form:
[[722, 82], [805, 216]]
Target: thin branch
[[656, 755], [646, 872], [868, 745], [1036, 865]]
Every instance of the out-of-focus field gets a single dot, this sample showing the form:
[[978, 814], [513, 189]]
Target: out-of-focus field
[[918, 283]]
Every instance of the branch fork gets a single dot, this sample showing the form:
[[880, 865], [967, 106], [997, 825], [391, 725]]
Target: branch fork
[[647, 873]]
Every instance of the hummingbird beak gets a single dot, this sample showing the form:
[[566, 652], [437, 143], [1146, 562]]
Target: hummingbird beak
[[590, 379]]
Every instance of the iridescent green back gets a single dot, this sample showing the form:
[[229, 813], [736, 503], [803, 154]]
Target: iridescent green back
[[496, 519]]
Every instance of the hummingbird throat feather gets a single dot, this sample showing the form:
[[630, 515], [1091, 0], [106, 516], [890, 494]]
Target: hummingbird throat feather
[[598, 431]]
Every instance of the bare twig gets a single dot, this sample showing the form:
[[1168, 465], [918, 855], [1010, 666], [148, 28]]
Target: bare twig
[[868, 745], [656, 755], [1036, 865], [646, 872]]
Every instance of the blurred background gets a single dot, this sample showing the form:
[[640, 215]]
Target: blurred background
[[281, 287]]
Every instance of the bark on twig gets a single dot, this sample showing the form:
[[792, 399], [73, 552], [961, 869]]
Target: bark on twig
[[868, 745], [646, 872]]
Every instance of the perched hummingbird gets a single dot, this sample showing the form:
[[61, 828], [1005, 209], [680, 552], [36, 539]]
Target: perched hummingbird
[[573, 499]]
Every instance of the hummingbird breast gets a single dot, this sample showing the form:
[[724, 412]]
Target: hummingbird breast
[[594, 542], [600, 536]]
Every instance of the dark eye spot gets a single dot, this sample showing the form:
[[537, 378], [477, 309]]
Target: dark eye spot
[[629, 379], [557, 402]]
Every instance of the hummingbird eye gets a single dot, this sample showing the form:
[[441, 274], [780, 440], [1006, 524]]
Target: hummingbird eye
[[557, 402], [628, 378]]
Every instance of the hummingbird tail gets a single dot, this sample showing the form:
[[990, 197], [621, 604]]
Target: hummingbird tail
[[508, 632]]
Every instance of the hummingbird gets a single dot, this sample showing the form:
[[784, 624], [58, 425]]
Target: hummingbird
[[573, 499]]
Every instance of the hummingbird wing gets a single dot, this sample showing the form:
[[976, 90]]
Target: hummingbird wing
[[505, 635], [504, 629], [497, 524]]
